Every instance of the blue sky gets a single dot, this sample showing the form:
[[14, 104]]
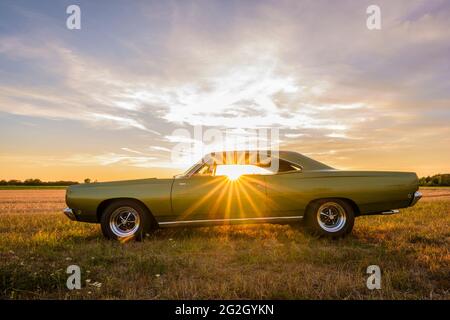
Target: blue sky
[[106, 100]]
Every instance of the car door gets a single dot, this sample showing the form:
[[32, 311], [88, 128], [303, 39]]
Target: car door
[[287, 194], [200, 197], [246, 197]]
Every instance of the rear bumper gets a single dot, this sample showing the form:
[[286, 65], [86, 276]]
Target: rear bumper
[[69, 214], [416, 197]]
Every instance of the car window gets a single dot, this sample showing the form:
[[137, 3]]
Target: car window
[[286, 166], [214, 169], [236, 170], [205, 170]]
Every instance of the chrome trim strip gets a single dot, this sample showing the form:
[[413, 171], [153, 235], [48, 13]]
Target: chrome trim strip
[[417, 196], [167, 223], [69, 214], [389, 212]]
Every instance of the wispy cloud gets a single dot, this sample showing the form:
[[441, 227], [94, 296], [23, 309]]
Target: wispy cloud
[[120, 122], [317, 74]]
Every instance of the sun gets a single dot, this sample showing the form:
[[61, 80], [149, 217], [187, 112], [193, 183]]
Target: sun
[[233, 176], [234, 171]]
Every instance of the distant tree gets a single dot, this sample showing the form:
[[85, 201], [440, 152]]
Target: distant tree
[[435, 180], [445, 180], [60, 183], [36, 182], [32, 182], [87, 180]]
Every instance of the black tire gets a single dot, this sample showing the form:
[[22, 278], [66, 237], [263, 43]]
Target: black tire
[[139, 221], [319, 223]]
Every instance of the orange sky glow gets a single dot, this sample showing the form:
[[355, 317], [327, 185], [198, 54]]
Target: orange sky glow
[[110, 101]]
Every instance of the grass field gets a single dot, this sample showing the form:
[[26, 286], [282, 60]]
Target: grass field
[[37, 243]]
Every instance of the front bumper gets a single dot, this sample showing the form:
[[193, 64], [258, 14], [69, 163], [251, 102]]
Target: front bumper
[[69, 213], [416, 197]]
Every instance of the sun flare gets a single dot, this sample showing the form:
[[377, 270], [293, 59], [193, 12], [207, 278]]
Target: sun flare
[[233, 172], [233, 176]]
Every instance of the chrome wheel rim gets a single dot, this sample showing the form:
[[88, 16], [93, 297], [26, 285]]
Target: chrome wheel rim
[[331, 217], [124, 221]]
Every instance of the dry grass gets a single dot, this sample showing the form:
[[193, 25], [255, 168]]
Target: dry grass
[[31, 201], [37, 243]]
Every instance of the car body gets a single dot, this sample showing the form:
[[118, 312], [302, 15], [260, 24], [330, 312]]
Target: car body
[[202, 197]]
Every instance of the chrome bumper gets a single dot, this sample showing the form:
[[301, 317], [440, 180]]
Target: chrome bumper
[[69, 213], [416, 197]]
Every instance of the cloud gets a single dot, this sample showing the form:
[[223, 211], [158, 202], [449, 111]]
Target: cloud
[[310, 69], [85, 93], [120, 122], [131, 150], [158, 148], [108, 159], [294, 135]]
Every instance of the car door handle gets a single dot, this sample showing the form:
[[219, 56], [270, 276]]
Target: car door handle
[[182, 183]]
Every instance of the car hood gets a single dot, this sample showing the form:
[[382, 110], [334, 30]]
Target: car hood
[[118, 183]]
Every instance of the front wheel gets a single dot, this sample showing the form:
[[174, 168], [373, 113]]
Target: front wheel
[[330, 217], [125, 220]]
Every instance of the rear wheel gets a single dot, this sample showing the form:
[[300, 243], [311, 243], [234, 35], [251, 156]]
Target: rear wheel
[[330, 217], [125, 220]]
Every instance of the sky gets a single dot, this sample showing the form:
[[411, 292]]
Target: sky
[[113, 99]]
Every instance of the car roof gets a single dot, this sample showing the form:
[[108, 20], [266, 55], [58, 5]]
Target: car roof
[[305, 162]]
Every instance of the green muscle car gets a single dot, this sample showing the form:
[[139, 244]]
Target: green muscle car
[[243, 187]]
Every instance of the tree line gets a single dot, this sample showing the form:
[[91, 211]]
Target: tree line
[[36, 182], [436, 180]]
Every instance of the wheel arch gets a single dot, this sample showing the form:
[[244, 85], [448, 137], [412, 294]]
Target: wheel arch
[[356, 210], [105, 203]]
